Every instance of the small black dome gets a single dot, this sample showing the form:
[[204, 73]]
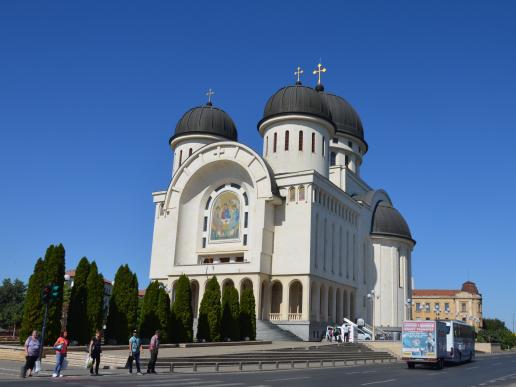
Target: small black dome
[[296, 99], [206, 119], [387, 221], [344, 116]]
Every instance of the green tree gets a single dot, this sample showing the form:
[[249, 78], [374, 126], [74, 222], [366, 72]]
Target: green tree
[[164, 314], [495, 331], [208, 328], [149, 320], [95, 299], [54, 270], [12, 298], [247, 315], [182, 311], [77, 322], [230, 314], [123, 306], [33, 308]]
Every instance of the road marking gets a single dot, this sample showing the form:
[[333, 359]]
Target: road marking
[[174, 382], [378, 382], [282, 379]]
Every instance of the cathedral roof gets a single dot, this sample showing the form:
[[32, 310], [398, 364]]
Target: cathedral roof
[[206, 119], [346, 118], [387, 221], [297, 99]]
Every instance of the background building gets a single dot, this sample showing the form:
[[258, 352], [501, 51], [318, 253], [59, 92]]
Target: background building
[[464, 304]]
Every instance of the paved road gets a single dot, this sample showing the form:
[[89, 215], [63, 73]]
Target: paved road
[[485, 371]]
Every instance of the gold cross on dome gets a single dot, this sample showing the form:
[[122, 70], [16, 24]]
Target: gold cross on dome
[[298, 73], [320, 69], [210, 93]]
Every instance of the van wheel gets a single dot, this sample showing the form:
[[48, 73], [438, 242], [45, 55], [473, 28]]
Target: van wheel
[[411, 365]]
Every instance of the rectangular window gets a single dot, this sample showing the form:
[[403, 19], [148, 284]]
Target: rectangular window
[[446, 307], [350, 144], [346, 160], [463, 307], [335, 140], [205, 224], [246, 201], [437, 307], [190, 152], [245, 239], [401, 263], [300, 140], [333, 157], [246, 216], [180, 157], [286, 140], [313, 142], [275, 142], [323, 142], [427, 307], [224, 260], [418, 307], [203, 243], [266, 145], [207, 260], [239, 259]]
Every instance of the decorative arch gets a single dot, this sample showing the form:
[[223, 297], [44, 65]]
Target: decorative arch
[[295, 299], [276, 300], [194, 286], [228, 151], [245, 283]]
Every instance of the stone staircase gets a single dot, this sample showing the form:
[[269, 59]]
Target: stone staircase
[[267, 331]]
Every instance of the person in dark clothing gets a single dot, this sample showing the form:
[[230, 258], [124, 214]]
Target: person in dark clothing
[[95, 351], [153, 348]]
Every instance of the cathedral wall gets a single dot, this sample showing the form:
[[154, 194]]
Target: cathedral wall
[[187, 145]]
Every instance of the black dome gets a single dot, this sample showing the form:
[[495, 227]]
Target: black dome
[[387, 221], [344, 116], [296, 99], [206, 119]]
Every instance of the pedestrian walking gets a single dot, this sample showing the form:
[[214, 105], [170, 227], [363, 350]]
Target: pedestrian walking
[[32, 347], [135, 348], [95, 351], [345, 328], [153, 348], [61, 347]]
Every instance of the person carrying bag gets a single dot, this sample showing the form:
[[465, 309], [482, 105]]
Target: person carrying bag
[[32, 347], [61, 347]]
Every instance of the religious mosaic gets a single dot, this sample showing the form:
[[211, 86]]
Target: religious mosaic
[[225, 217]]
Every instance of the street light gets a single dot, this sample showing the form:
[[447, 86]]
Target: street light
[[371, 296], [408, 304]]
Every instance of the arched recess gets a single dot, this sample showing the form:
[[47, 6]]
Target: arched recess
[[276, 300], [194, 285], [295, 299], [228, 282], [314, 302], [246, 283]]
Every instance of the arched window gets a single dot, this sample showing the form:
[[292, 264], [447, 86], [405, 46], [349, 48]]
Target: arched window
[[180, 157], [286, 140], [346, 160], [266, 145], [225, 217], [292, 194], [275, 143], [301, 194], [300, 140], [190, 152], [313, 142]]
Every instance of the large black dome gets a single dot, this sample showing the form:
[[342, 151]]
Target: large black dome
[[387, 221], [296, 99], [206, 119], [344, 116]]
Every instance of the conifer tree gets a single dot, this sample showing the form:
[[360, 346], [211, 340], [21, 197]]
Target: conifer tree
[[95, 299], [164, 314], [182, 311], [77, 324], [33, 308], [54, 263], [123, 306], [149, 320], [230, 314], [247, 315], [210, 313]]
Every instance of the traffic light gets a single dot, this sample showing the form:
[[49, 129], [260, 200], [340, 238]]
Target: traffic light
[[45, 294], [56, 290]]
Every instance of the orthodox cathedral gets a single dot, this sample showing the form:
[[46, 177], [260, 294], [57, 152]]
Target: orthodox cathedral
[[296, 223]]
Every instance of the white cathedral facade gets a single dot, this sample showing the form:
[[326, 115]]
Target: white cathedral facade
[[295, 223]]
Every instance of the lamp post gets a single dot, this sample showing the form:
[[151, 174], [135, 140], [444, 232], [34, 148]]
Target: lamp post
[[408, 304], [371, 295]]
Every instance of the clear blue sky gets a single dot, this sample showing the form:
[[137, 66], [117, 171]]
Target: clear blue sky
[[91, 91]]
